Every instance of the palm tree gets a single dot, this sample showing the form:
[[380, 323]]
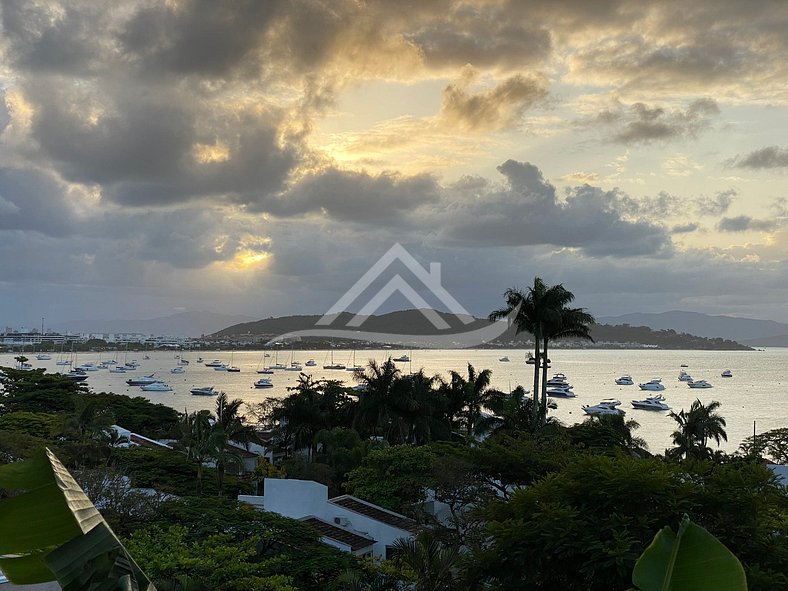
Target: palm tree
[[228, 428], [696, 428], [375, 408], [542, 311], [435, 564], [473, 394], [562, 322], [198, 439], [510, 412]]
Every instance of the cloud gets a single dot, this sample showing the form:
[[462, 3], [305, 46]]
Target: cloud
[[744, 223], [526, 211], [498, 108], [684, 228], [640, 123], [717, 205], [769, 157]]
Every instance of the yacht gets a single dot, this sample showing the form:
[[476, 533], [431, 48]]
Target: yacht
[[504, 360], [651, 403], [214, 363], [156, 387], [625, 381], [233, 369], [63, 362], [605, 407], [206, 391], [143, 381], [654, 385], [561, 392], [684, 376], [311, 363], [263, 383], [177, 370], [558, 379], [76, 375], [283, 366], [727, 374], [402, 359], [699, 384], [43, 357]]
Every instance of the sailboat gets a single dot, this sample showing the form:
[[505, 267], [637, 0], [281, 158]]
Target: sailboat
[[332, 365], [276, 364], [353, 366], [294, 365], [264, 369], [231, 367]]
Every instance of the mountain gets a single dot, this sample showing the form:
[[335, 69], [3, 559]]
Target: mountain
[[184, 324], [413, 322], [703, 325]]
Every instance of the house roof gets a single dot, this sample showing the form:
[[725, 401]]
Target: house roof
[[355, 540], [377, 513]]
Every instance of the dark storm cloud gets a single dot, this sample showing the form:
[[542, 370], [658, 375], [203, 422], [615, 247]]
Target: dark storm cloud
[[384, 199], [32, 200], [200, 37], [527, 211], [641, 123], [743, 223], [769, 157], [142, 151], [498, 108]]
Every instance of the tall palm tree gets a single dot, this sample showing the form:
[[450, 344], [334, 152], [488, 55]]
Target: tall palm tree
[[228, 428], [542, 311], [375, 409], [695, 428], [562, 322]]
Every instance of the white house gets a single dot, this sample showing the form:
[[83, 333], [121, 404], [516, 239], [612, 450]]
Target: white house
[[345, 522]]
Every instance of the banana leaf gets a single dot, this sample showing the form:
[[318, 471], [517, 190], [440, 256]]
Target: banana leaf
[[50, 531], [690, 560]]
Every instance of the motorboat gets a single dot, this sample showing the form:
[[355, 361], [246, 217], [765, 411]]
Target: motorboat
[[111, 362], [684, 365], [561, 392], [684, 376], [651, 403], [177, 370], [206, 391], [311, 363], [142, 381], [654, 385], [43, 357], [63, 362], [727, 374], [146, 356], [531, 360], [558, 379], [233, 369], [222, 367], [282, 366], [402, 359], [214, 363], [183, 362], [24, 366], [117, 369], [334, 366], [263, 383], [200, 360], [699, 384], [625, 381], [156, 387], [88, 367], [76, 375], [605, 407], [360, 388], [504, 360]]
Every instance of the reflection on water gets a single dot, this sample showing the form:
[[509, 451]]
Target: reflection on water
[[756, 392]]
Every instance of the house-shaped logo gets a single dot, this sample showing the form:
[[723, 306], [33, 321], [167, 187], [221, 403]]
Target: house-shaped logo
[[431, 280]]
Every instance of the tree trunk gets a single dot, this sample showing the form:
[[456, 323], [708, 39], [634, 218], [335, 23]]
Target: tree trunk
[[220, 472], [537, 362], [543, 407]]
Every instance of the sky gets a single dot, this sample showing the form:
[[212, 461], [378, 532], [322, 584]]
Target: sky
[[257, 158]]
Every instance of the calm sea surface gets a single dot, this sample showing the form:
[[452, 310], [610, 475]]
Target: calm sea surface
[[757, 392]]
